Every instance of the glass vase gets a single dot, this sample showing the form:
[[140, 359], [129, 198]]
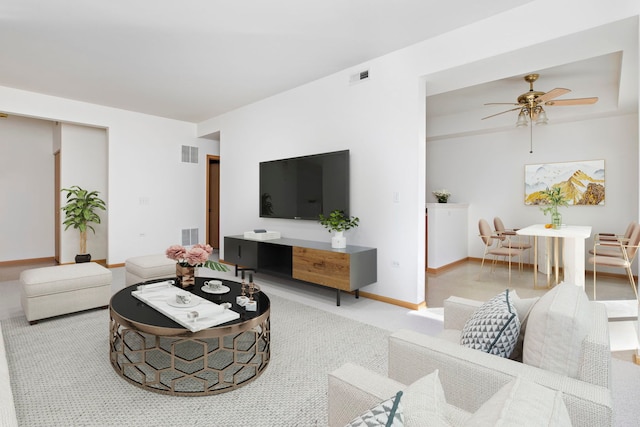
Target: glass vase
[[556, 219]]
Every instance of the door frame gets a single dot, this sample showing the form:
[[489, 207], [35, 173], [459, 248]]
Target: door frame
[[211, 158], [56, 205]]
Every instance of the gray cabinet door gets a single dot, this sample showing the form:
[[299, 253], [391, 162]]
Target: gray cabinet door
[[241, 252]]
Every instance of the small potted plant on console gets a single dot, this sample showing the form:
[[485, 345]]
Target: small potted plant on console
[[338, 222]]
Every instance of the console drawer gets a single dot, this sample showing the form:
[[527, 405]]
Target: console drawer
[[326, 268]]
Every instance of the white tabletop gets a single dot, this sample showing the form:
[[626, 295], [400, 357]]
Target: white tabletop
[[160, 295], [583, 231]]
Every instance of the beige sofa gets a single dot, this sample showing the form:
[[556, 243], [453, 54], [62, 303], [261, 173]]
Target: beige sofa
[[470, 377], [7, 407]]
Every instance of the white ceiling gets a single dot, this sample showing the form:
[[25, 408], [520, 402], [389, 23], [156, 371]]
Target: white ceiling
[[601, 62], [195, 59]]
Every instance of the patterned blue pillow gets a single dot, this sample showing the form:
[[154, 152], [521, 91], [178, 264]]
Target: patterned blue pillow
[[493, 327], [386, 414]]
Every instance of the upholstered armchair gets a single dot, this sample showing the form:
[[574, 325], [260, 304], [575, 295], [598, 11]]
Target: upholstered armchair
[[470, 377]]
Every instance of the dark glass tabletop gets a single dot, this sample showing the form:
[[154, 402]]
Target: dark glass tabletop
[[132, 309]]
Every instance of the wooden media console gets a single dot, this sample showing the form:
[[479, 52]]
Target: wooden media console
[[346, 269]]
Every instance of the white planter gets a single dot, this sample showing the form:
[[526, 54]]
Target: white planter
[[338, 241]]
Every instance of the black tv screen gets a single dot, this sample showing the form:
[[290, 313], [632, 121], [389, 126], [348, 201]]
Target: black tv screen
[[304, 187]]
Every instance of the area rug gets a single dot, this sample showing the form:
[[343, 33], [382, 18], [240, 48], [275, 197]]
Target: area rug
[[61, 374]]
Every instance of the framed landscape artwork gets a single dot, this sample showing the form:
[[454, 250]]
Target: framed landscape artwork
[[581, 183]]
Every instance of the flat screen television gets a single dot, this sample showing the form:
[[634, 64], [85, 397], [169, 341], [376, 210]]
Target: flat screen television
[[303, 187]]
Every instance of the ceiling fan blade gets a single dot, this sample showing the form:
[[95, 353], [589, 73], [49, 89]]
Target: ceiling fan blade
[[553, 93], [501, 103], [493, 115], [576, 101]]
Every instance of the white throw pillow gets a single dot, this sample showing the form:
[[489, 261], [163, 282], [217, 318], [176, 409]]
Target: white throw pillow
[[523, 308], [424, 403], [557, 325], [522, 403]]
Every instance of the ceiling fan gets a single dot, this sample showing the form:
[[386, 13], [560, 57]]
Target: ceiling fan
[[531, 103]]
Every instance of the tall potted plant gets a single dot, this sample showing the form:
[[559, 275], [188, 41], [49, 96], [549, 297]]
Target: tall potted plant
[[80, 212], [338, 222]]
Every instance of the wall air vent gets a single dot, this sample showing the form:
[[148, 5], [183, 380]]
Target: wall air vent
[[189, 236], [189, 154], [359, 77]]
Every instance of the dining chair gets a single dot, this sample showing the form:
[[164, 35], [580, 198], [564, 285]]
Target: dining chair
[[496, 247], [627, 247], [612, 250], [514, 240]]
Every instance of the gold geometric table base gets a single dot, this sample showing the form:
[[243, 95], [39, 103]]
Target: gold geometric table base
[[195, 364]]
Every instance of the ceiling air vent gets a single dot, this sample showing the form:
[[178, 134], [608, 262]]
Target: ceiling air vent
[[358, 77]]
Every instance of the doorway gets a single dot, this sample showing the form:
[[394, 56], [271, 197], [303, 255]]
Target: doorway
[[213, 201]]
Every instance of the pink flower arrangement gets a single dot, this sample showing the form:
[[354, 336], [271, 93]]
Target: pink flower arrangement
[[196, 256]]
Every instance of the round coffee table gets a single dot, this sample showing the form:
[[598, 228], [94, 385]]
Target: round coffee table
[[150, 350]]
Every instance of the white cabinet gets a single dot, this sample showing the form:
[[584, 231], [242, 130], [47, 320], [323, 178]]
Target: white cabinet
[[447, 233]]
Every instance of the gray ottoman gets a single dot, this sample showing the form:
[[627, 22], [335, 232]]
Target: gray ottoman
[[52, 291], [148, 267]]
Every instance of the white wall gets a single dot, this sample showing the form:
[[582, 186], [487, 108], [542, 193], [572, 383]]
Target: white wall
[[382, 122], [330, 115], [144, 162], [26, 189], [487, 171], [83, 162]]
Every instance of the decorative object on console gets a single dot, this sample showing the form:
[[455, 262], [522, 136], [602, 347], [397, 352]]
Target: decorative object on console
[[79, 211], [262, 235], [188, 259], [442, 195], [554, 198], [338, 222]]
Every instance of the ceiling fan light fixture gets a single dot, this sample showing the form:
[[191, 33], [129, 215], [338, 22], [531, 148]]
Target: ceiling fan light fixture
[[542, 117], [522, 119]]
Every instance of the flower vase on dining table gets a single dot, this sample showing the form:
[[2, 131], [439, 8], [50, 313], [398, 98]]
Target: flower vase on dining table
[[556, 220], [185, 275]]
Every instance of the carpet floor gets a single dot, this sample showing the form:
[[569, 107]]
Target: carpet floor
[[61, 374]]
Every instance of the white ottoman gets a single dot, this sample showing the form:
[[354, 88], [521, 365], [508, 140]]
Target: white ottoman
[[52, 291], [148, 267]]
